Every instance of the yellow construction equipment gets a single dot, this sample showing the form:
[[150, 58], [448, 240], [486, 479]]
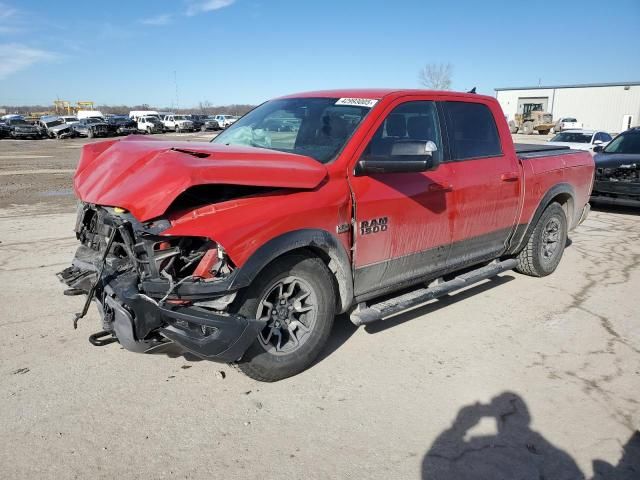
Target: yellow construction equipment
[[85, 106], [63, 107]]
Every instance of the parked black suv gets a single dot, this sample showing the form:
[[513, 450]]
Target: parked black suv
[[618, 170], [198, 121], [121, 125], [20, 128]]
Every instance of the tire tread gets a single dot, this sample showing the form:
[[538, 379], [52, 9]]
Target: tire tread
[[528, 262]]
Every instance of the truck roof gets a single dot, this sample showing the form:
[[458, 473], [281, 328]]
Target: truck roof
[[378, 93]]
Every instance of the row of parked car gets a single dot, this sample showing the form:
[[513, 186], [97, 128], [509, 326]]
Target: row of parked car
[[95, 124]]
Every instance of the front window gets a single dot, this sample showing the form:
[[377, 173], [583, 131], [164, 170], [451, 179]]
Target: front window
[[572, 137], [180, 117], [625, 143], [411, 121], [315, 127]]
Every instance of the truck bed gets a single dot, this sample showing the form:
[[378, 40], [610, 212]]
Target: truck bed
[[532, 150]]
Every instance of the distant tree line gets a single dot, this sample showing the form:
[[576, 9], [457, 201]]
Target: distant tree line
[[203, 108]]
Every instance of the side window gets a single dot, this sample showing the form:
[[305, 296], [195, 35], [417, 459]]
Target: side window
[[472, 131], [416, 121], [605, 137]]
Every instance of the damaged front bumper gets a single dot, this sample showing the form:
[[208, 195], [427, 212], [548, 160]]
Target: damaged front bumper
[[619, 185], [139, 319]]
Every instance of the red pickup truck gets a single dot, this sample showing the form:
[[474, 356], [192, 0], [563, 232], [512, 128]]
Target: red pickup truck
[[244, 249]]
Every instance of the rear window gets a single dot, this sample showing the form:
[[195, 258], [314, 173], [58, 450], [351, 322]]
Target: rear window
[[572, 120], [472, 131]]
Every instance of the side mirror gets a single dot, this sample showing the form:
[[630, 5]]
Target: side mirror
[[598, 148], [598, 142], [407, 156]]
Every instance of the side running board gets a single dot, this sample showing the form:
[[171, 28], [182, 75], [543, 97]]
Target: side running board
[[393, 306]]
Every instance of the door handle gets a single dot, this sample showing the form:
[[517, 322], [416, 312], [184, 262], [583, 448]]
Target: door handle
[[510, 177], [439, 187]]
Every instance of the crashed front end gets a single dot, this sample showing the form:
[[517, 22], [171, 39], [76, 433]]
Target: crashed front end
[[151, 288], [618, 184]]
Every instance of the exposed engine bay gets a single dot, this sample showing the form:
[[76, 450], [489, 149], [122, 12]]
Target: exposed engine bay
[[151, 288]]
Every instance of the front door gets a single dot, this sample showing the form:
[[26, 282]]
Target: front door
[[403, 220]]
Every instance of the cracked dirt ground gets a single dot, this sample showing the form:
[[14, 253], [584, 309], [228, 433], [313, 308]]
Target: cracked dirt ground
[[536, 377]]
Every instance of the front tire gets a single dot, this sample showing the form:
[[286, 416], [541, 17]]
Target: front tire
[[545, 246], [297, 297]]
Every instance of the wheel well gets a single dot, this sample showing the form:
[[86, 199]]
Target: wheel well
[[566, 202], [315, 243], [331, 265]]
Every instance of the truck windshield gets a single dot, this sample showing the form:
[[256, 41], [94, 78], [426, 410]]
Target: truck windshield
[[625, 143], [315, 127]]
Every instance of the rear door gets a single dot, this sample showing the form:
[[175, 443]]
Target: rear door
[[487, 183], [403, 220]]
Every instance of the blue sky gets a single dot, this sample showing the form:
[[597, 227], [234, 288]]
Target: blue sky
[[246, 51]]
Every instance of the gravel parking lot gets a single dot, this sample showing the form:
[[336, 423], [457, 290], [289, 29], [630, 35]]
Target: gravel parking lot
[[480, 380]]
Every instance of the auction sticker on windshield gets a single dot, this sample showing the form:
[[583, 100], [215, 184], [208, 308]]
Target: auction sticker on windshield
[[357, 102]]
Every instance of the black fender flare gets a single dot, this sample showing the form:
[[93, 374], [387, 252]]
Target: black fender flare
[[316, 239], [522, 232]]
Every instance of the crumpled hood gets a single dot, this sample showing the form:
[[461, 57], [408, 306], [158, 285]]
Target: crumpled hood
[[145, 176]]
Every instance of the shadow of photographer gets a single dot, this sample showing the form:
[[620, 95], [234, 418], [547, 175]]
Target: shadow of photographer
[[512, 450]]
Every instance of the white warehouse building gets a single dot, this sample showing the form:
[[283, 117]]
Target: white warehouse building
[[612, 107]]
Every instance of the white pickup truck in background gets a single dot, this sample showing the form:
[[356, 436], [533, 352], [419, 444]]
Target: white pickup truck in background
[[567, 123], [225, 120], [149, 124], [178, 123]]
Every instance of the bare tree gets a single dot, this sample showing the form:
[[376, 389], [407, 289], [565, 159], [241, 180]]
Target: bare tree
[[436, 76]]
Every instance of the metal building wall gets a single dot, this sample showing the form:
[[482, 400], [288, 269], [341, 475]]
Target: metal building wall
[[601, 108]]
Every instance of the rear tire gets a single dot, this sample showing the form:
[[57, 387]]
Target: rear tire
[[314, 294], [545, 246]]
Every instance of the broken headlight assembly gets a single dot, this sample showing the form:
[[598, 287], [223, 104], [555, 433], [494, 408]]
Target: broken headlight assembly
[[162, 263]]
